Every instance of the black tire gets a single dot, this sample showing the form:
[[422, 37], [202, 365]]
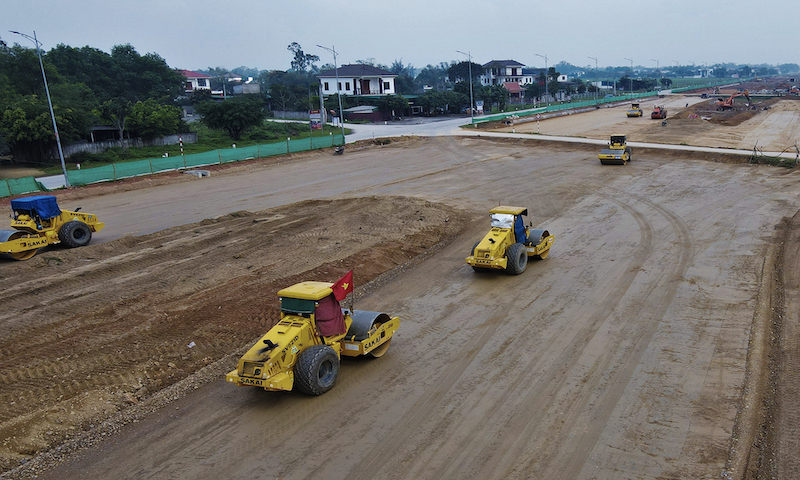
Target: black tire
[[316, 370], [517, 259], [75, 234], [630, 154]]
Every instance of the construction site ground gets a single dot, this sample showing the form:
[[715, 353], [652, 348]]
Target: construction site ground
[[658, 340], [700, 124]]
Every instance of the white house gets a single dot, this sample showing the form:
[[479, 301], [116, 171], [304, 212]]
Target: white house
[[498, 72], [196, 81], [357, 79]]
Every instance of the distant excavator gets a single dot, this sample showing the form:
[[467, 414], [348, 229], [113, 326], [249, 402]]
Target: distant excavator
[[727, 104]]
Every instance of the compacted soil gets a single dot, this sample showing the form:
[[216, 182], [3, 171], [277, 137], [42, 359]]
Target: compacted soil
[[651, 343]]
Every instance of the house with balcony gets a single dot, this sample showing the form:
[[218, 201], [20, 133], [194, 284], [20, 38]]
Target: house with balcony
[[357, 80], [499, 72], [195, 80]]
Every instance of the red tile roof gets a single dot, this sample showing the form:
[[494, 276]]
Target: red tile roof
[[191, 74]]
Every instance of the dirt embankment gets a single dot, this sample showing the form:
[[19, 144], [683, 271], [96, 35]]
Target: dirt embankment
[[86, 333]]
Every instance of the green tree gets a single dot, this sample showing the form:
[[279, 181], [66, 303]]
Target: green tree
[[460, 71], [534, 91], [116, 111], [395, 104], [234, 115], [150, 119], [302, 61], [404, 82], [434, 76], [552, 80], [746, 71], [27, 127], [139, 77], [666, 82], [89, 66]]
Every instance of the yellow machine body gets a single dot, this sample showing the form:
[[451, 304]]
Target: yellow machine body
[[270, 363], [635, 110], [617, 153], [38, 222], [500, 249]]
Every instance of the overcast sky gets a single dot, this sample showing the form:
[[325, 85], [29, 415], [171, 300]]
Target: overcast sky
[[255, 33]]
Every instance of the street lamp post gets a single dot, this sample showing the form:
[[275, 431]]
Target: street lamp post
[[338, 94], [658, 70], [595, 78], [471, 102], [37, 43], [546, 93], [631, 78]]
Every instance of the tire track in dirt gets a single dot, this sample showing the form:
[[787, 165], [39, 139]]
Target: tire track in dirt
[[787, 442], [481, 465], [560, 355], [417, 414], [124, 332], [655, 303]]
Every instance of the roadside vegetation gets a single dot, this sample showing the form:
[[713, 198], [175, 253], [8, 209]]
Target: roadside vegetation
[[140, 96]]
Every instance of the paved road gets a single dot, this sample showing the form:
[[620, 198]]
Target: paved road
[[620, 356]]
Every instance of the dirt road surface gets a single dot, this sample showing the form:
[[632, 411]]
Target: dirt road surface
[[773, 130], [623, 355]]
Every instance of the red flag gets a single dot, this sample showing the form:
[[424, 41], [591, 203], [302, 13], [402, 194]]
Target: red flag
[[343, 286]]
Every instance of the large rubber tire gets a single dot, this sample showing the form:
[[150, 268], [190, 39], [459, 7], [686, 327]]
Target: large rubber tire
[[630, 154], [316, 370], [75, 234], [517, 257]]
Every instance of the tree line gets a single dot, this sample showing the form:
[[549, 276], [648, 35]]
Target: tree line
[[134, 93], [140, 95]]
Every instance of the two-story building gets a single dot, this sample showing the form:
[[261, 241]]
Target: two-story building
[[498, 72], [357, 79], [196, 80]]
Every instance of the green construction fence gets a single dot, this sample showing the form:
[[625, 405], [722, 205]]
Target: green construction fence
[[116, 171], [593, 102]]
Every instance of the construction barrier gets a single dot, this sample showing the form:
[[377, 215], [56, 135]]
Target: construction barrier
[[117, 171], [566, 106], [17, 186], [591, 103]]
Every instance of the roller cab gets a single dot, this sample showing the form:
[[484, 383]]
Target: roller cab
[[617, 153], [509, 242], [302, 351]]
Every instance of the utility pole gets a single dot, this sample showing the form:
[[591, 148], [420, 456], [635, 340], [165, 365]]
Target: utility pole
[[631, 77], [49, 102], [596, 87], [546, 94], [471, 102], [338, 93]]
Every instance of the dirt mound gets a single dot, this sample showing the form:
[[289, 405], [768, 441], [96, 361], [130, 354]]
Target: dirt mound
[[743, 111], [85, 333]]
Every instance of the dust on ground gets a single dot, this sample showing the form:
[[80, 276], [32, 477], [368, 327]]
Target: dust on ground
[[86, 333]]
